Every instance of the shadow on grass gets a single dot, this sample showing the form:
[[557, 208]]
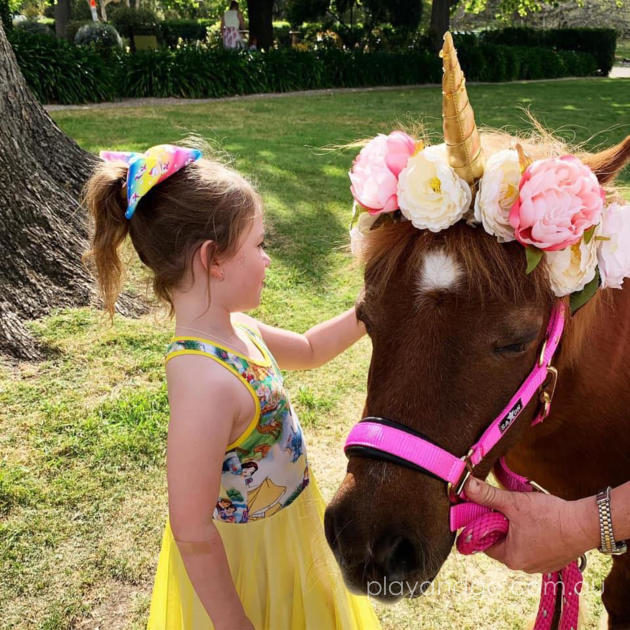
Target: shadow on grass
[[278, 143]]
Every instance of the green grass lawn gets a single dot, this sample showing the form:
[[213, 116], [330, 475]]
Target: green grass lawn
[[82, 434]]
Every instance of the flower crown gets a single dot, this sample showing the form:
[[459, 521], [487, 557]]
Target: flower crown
[[554, 207]]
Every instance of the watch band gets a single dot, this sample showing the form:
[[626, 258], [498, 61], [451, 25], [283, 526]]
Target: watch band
[[608, 543]]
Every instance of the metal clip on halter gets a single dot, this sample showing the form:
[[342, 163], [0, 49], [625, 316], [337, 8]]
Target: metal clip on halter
[[454, 494]]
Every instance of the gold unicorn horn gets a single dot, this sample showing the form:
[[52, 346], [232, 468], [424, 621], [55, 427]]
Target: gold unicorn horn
[[460, 131]]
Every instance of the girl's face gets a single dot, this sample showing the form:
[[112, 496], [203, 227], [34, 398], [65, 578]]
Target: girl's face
[[244, 273]]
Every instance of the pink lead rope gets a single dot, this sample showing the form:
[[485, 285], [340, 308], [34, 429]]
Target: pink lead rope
[[482, 527]]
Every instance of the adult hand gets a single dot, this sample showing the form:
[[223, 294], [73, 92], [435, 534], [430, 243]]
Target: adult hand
[[546, 533]]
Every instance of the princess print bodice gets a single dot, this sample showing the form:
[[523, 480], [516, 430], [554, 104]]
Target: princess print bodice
[[266, 468]]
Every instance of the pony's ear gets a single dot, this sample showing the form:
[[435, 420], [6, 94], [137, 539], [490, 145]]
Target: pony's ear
[[608, 163]]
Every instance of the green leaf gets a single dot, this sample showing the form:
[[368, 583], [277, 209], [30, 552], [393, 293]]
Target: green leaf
[[588, 234], [580, 298], [357, 210], [534, 256]]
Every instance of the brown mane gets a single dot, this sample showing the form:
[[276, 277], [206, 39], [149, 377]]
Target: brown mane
[[492, 269]]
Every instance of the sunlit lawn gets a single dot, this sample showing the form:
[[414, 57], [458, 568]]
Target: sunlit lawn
[[623, 49], [82, 434]]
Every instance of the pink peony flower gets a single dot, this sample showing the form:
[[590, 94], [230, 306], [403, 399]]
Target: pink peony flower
[[374, 173], [559, 198]]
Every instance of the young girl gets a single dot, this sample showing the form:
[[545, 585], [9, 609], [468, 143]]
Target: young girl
[[244, 545]]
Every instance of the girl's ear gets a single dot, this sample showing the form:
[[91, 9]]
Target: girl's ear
[[209, 260]]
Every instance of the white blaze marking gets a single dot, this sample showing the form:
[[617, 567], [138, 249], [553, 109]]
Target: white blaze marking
[[439, 272]]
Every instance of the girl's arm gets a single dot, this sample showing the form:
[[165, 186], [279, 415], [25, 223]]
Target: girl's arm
[[203, 409], [316, 346]]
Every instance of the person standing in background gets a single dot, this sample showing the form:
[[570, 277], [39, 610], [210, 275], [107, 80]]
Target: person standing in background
[[232, 23]]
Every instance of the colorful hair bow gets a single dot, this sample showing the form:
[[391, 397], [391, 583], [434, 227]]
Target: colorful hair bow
[[148, 169]]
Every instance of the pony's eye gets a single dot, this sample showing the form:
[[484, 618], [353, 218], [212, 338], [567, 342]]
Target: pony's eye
[[513, 348], [521, 342]]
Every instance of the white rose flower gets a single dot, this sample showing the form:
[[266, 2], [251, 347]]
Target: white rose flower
[[572, 268], [430, 194], [498, 190], [359, 230], [614, 253]]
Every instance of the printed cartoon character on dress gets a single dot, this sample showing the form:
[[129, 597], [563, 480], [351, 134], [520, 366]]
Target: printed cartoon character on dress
[[554, 207], [148, 169]]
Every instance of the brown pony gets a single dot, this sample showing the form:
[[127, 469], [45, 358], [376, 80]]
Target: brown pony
[[445, 361]]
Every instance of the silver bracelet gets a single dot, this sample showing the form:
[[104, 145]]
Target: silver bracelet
[[609, 545]]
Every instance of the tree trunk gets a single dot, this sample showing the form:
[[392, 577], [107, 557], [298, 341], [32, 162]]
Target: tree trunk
[[42, 226], [6, 17], [63, 9], [261, 22], [440, 20]]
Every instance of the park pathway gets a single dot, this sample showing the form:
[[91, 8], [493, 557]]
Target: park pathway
[[620, 72], [617, 72]]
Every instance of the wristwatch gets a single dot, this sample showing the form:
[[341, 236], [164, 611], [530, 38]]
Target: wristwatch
[[609, 545]]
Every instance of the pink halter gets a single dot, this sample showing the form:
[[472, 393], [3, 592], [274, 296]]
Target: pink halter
[[388, 440]]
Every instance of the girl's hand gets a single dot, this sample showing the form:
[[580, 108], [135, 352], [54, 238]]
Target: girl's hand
[[546, 533], [315, 347]]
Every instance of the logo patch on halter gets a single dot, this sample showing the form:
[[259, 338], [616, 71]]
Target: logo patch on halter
[[511, 415]]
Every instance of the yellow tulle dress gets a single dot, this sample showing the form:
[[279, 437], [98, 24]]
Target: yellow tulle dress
[[269, 515]]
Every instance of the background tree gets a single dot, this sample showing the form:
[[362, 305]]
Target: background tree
[[63, 11], [440, 20], [43, 229], [260, 14], [402, 14], [505, 10], [5, 14]]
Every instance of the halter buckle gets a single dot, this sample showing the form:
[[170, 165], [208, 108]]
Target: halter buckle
[[548, 389], [541, 356], [453, 494]]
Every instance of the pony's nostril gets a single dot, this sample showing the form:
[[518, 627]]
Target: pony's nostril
[[404, 558], [396, 555]]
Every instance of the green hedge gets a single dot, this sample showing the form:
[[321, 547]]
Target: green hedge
[[492, 62], [599, 42], [60, 72]]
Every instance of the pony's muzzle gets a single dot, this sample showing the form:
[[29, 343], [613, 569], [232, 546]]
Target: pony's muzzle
[[377, 567]]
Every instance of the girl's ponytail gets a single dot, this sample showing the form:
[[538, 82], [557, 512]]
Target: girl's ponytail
[[106, 201], [199, 200]]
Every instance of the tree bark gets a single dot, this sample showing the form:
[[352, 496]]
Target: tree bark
[[261, 22], [63, 10], [42, 225], [440, 21]]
